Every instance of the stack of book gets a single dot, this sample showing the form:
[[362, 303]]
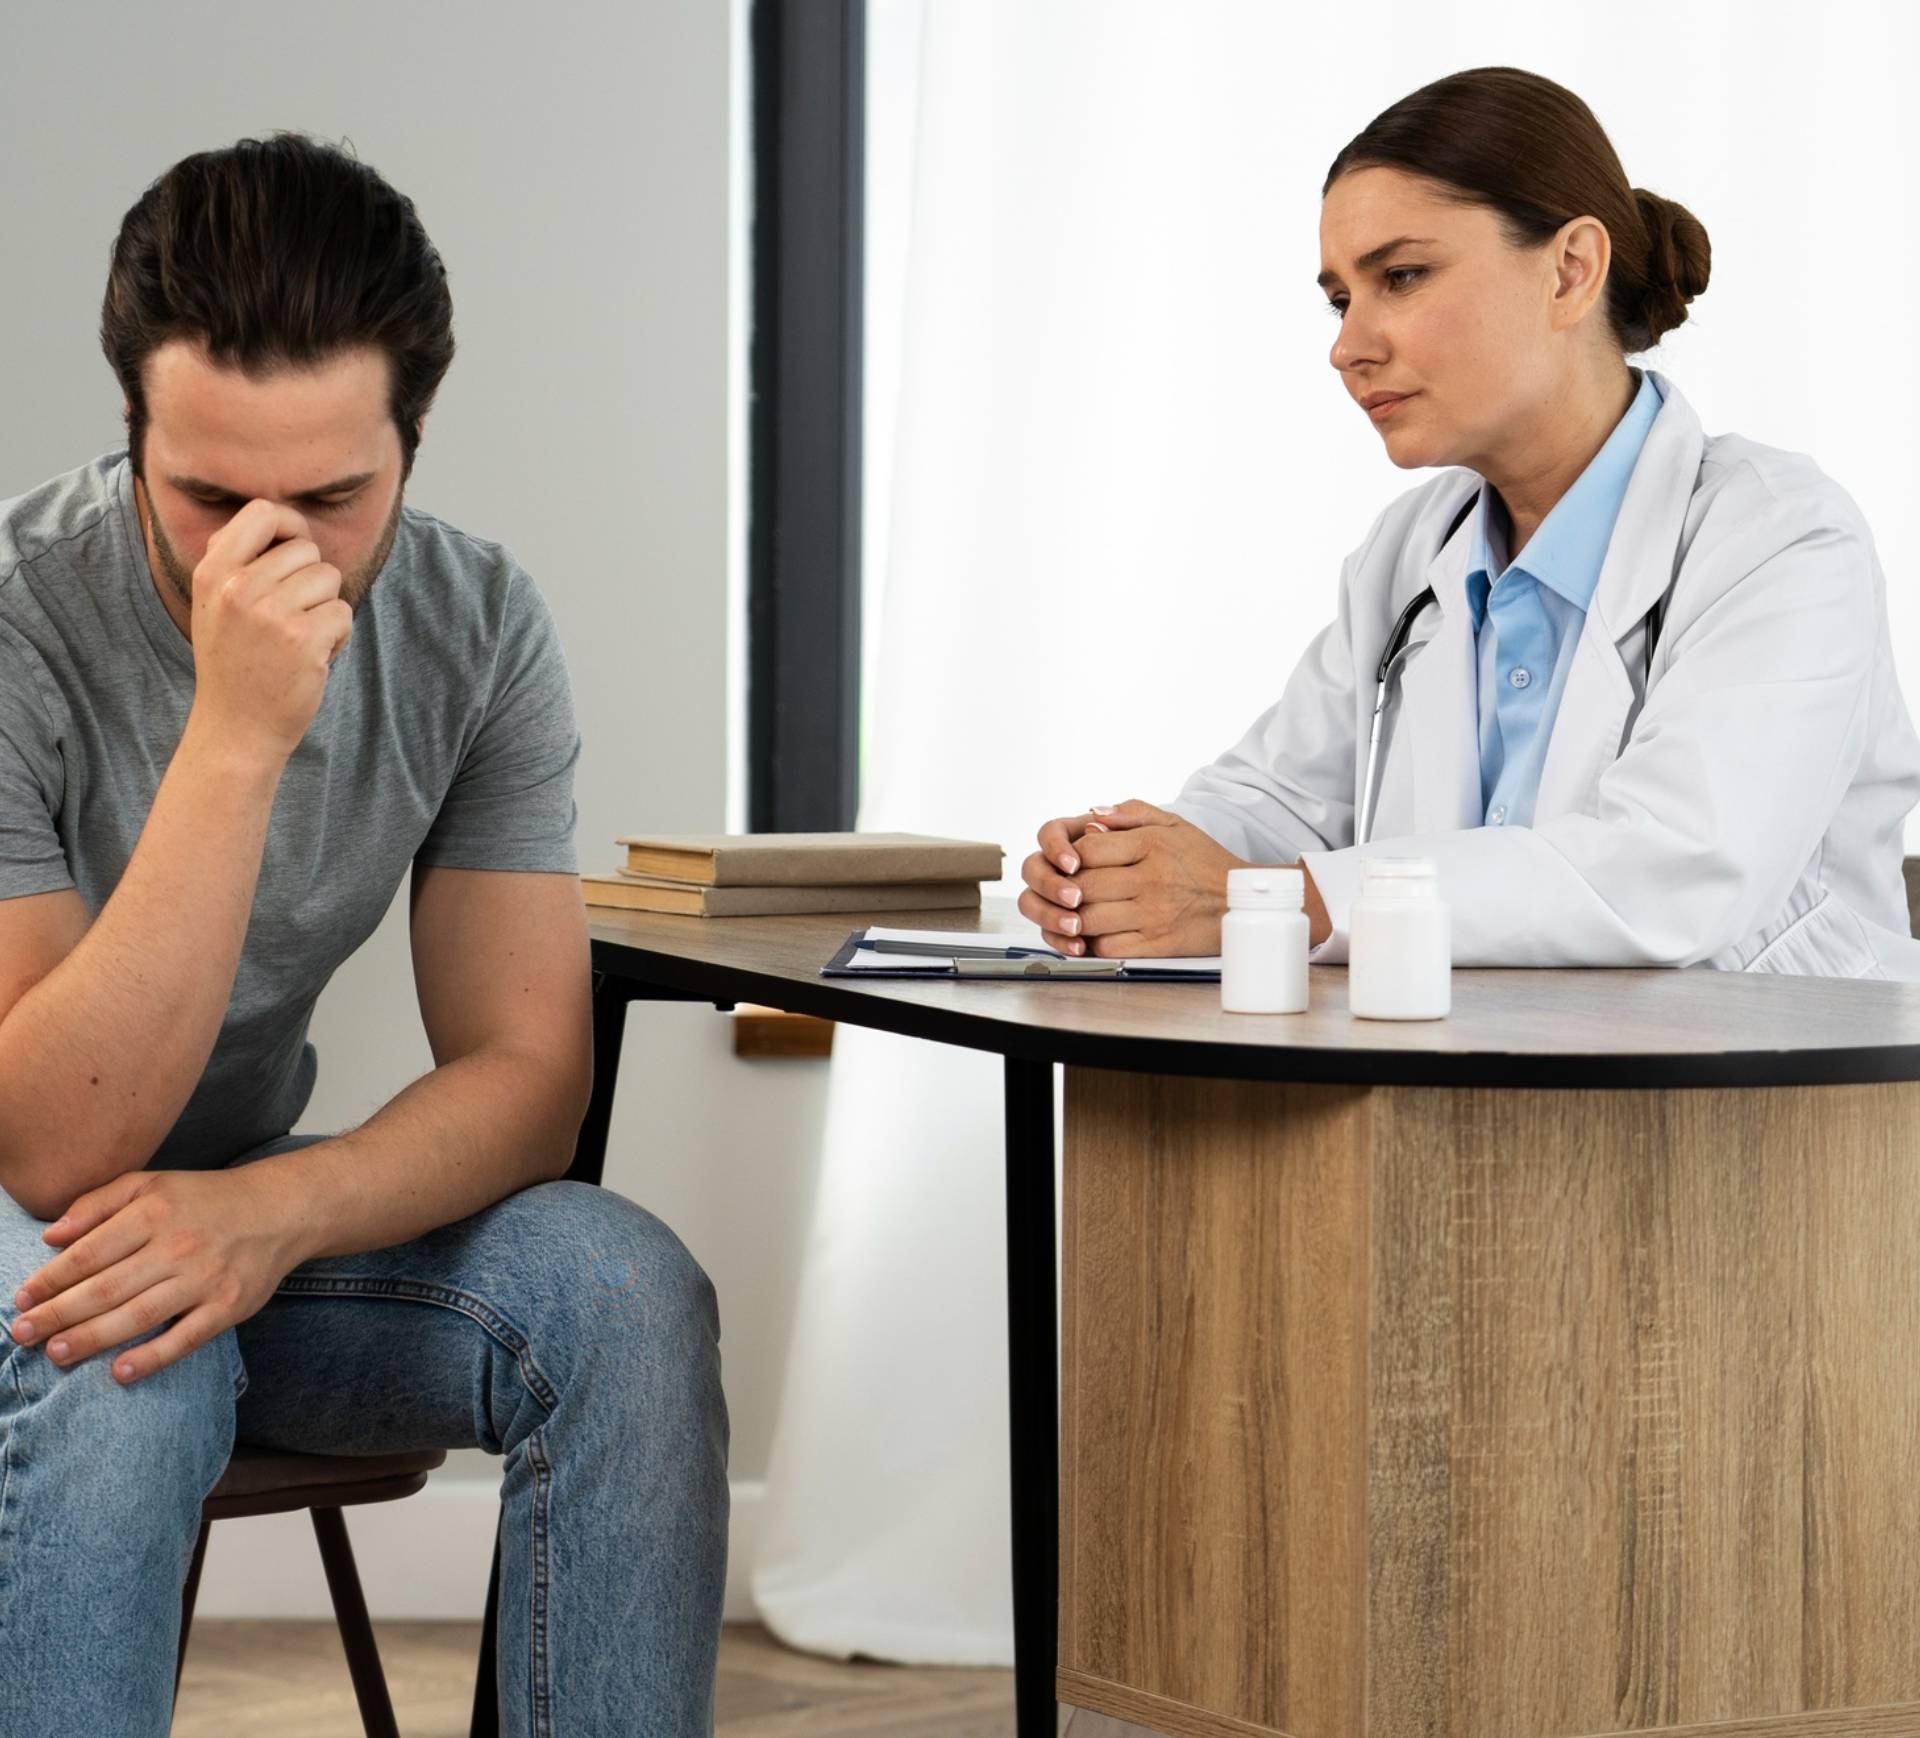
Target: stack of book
[[756, 874]]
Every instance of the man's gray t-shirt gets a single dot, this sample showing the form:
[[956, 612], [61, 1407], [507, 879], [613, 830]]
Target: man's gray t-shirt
[[446, 737]]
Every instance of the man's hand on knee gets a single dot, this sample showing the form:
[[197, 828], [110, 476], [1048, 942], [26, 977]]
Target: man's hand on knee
[[199, 1249]]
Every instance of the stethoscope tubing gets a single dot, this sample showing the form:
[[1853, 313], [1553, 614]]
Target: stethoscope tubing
[[1396, 646], [1396, 649]]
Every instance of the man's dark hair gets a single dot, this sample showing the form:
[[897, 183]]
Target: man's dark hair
[[278, 253]]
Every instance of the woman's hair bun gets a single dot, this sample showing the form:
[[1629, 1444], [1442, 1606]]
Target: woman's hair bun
[[1679, 261]]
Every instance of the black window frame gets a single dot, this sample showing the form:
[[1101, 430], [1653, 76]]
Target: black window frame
[[808, 308]]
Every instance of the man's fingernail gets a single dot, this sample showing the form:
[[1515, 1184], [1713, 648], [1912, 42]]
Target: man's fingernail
[[58, 1349], [25, 1332], [1071, 864]]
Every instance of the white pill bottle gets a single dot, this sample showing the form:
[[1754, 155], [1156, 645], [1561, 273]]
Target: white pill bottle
[[1400, 943], [1263, 942]]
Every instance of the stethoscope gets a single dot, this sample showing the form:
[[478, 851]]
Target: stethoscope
[[1398, 648]]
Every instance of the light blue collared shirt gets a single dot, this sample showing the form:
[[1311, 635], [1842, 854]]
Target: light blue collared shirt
[[1527, 620]]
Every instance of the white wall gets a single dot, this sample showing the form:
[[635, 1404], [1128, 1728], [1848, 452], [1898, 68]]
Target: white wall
[[579, 169]]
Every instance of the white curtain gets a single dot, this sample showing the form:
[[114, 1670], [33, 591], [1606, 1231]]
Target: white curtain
[[1123, 478], [886, 1524]]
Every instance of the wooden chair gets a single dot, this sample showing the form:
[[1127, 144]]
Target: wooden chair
[[267, 1481]]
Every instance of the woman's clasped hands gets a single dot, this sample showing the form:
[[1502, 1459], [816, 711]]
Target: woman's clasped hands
[[1127, 881], [1130, 881]]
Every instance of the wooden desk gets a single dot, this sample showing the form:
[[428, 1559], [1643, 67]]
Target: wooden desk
[[1466, 1379]]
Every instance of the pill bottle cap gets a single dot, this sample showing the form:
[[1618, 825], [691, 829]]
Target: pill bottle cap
[[1275, 889], [1400, 877]]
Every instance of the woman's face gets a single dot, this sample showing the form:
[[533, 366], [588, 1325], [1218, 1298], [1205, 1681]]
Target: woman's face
[[1450, 336]]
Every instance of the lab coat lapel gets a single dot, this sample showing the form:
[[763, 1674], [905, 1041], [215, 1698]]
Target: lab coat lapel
[[1641, 557], [1439, 724]]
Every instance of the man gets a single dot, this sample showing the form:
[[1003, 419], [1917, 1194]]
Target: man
[[243, 690]]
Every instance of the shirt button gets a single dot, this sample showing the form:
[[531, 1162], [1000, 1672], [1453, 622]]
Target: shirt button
[[1519, 678], [1497, 815]]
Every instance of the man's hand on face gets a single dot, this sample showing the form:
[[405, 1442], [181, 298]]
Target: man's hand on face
[[268, 621], [202, 1249]]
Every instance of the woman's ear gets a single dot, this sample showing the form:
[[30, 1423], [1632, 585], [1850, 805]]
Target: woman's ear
[[1582, 252]]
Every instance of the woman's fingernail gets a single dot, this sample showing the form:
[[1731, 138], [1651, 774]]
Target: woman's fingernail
[[1070, 895], [1101, 809], [1076, 947], [1071, 864], [1095, 827], [1071, 925]]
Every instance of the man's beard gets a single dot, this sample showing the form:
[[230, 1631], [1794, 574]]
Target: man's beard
[[354, 586]]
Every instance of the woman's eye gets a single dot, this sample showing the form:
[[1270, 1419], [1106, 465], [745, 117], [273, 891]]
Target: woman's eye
[[1337, 309], [1404, 277]]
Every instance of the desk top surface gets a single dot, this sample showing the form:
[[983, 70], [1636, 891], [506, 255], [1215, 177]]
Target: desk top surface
[[1656, 1028]]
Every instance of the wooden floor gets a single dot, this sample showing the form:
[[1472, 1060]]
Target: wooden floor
[[245, 1678]]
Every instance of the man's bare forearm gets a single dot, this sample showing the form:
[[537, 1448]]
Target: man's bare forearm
[[472, 1132], [99, 1058]]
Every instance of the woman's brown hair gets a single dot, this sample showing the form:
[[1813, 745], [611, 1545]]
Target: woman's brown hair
[[1531, 150], [277, 253]]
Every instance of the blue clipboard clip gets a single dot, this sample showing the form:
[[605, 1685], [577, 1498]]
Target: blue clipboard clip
[[1042, 966]]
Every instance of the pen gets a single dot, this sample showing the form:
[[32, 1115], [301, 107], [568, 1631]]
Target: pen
[[962, 950]]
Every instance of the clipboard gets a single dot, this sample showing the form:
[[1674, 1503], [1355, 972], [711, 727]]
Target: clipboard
[[1021, 968]]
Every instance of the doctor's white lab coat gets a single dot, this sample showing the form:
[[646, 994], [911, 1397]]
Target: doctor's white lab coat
[[1738, 806]]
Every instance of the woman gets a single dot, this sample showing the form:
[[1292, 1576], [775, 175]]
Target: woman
[[1646, 712]]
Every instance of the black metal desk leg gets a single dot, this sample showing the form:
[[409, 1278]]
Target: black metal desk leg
[[610, 1001], [486, 1686], [1033, 1397]]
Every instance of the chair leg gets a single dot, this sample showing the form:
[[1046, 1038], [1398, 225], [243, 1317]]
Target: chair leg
[[187, 1596], [486, 1687], [356, 1633]]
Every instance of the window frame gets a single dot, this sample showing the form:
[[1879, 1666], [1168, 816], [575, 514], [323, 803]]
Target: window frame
[[805, 450]]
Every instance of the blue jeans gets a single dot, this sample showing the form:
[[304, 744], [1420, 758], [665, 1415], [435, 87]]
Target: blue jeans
[[563, 1328]]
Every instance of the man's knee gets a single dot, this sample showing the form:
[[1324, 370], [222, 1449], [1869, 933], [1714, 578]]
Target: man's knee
[[633, 1307], [183, 1412], [169, 1432], [626, 1266]]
